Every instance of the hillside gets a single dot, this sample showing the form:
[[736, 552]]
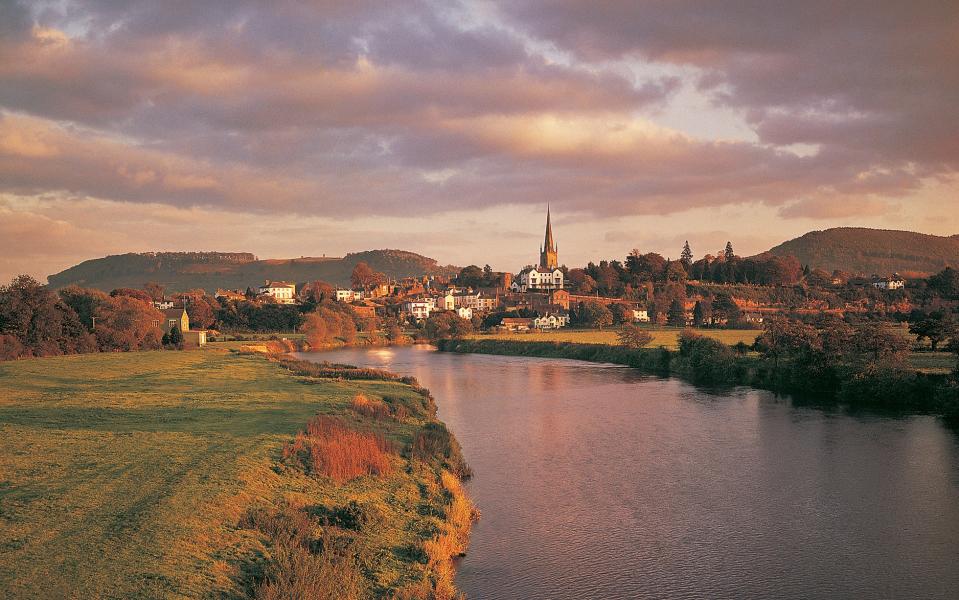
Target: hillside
[[868, 251], [180, 271]]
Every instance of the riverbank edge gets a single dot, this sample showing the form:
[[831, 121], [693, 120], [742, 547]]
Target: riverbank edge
[[443, 473], [914, 392]]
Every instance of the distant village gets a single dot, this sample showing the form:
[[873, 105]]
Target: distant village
[[548, 296]]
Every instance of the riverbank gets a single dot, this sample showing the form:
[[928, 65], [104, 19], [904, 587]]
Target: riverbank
[[157, 474], [715, 364]]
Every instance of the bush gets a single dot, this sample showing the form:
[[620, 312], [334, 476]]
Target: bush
[[370, 407], [435, 444], [329, 448]]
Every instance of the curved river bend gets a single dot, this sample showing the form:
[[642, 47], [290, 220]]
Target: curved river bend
[[598, 482]]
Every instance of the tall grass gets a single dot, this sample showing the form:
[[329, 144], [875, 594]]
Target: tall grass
[[300, 564], [435, 444], [370, 407], [329, 448]]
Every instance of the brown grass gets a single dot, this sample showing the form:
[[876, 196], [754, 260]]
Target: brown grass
[[328, 447], [370, 407]]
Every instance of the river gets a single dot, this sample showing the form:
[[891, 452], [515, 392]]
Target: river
[[596, 481]]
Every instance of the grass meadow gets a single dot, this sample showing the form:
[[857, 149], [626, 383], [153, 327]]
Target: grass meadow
[[127, 475], [662, 336]]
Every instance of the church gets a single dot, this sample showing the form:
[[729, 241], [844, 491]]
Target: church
[[547, 275]]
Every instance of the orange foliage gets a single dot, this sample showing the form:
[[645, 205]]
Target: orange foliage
[[369, 407], [328, 447]]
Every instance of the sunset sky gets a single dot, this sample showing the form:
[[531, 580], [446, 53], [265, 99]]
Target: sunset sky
[[310, 128]]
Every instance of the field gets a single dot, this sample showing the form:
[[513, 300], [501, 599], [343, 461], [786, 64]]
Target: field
[[933, 362], [126, 475], [665, 336]]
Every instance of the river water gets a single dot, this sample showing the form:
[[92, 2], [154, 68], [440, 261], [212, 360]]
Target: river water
[[595, 481]]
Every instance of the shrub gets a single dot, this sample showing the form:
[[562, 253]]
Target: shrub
[[10, 347], [330, 448], [434, 443], [299, 566], [370, 407]]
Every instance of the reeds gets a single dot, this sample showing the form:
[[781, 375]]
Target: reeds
[[329, 448]]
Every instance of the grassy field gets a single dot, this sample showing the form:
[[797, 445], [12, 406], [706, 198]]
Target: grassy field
[[665, 336], [126, 475], [933, 362]]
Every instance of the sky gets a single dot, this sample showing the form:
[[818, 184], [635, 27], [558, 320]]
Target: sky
[[322, 127]]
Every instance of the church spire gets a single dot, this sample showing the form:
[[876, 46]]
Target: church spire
[[548, 258]]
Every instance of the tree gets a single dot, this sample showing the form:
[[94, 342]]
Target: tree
[[446, 325], [724, 307], [127, 323], [594, 314], [471, 276], [874, 340], [175, 338], [634, 336], [364, 277], [701, 313], [728, 252], [132, 293], [936, 327], [84, 302], [676, 316], [154, 290], [686, 256], [39, 320], [946, 283], [621, 313]]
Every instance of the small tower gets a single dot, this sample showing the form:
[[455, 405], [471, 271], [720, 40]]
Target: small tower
[[548, 257]]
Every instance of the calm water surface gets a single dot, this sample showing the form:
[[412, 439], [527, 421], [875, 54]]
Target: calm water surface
[[597, 482]]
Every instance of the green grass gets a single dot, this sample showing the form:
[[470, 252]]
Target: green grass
[[665, 336], [125, 475], [933, 362]]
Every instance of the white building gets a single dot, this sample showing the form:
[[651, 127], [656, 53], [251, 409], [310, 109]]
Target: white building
[[640, 316], [348, 295], [464, 313], [550, 321], [281, 291], [539, 278], [889, 283], [419, 308]]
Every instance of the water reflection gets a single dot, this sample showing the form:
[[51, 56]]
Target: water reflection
[[598, 482]]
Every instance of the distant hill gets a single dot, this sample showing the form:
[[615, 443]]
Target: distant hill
[[869, 251], [180, 271]]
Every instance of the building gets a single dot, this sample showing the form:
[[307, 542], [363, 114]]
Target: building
[[516, 324], [235, 295], [640, 316], [175, 317], [348, 295], [464, 313], [546, 275], [163, 304], [281, 291], [419, 308], [889, 283], [551, 321]]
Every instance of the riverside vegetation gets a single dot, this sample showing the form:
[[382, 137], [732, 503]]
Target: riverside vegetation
[[159, 474], [866, 365]]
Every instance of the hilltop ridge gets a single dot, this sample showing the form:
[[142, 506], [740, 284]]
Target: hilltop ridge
[[864, 250], [180, 271]]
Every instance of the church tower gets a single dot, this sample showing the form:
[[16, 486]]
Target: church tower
[[548, 257]]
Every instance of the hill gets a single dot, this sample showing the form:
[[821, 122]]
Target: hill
[[180, 271], [868, 251]]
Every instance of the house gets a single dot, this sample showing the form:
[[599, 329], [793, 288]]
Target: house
[[539, 278], [175, 317], [551, 321], [516, 324], [419, 308], [163, 304], [464, 313], [348, 295], [889, 283], [753, 317], [281, 291], [234, 295], [640, 315]]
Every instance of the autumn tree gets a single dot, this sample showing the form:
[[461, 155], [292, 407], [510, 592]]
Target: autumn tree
[[128, 323], [937, 327], [594, 314], [132, 293], [364, 277], [154, 290], [634, 336], [446, 325]]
